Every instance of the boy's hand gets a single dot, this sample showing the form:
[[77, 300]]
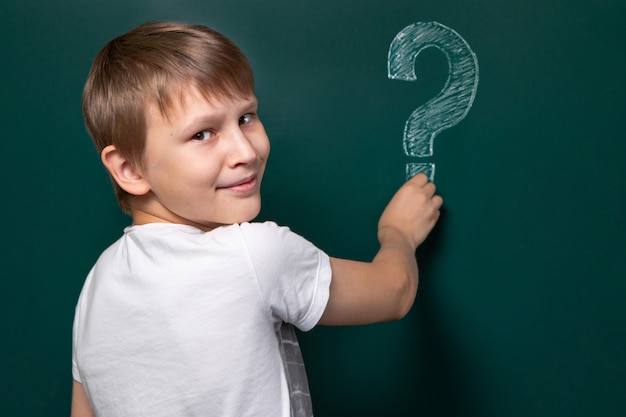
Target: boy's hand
[[411, 214], [384, 289]]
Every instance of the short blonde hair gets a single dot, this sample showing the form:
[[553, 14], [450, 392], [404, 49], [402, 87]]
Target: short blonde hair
[[153, 64]]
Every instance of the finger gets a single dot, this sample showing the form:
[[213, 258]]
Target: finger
[[438, 201], [419, 179], [429, 189]]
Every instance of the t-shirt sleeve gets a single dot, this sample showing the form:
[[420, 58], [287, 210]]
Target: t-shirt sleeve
[[75, 372], [293, 274]]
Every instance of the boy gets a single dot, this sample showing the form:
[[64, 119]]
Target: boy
[[179, 317]]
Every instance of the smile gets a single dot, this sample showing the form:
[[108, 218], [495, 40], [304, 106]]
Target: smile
[[246, 185]]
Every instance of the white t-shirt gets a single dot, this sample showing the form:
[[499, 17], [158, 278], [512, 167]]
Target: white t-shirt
[[173, 321]]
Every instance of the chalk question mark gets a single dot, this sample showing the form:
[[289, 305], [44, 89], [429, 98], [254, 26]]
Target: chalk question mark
[[454, 101]]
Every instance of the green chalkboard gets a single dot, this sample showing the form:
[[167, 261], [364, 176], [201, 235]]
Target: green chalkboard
[[520, 309]]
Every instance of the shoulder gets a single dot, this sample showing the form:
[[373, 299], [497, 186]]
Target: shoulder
[[263, 229], [269, 236], [269, 243]]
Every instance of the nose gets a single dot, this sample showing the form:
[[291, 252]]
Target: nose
[[242, 151]]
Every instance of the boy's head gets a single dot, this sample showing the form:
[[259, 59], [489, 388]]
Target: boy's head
[[154, 65]]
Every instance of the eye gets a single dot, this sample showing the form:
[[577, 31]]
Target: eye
[[203, 135], [245, 119]]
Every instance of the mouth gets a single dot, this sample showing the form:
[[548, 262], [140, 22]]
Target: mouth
[[243, 186]]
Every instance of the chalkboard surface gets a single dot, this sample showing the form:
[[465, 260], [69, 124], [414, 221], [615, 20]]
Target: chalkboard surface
[[520, 310]]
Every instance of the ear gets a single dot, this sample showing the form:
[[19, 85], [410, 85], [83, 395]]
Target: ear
[[125, 174]]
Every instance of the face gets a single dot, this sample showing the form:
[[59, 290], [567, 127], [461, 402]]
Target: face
[[203, 163]]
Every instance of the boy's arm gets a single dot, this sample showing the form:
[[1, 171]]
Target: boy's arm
[[384, 289], [80, 403]]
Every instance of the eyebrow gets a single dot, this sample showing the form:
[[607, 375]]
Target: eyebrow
[[207, 119], [250, 104]]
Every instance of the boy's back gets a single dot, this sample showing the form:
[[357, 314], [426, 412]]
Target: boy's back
[[176, 321]]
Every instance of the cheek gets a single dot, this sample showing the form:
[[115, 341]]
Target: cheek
[[185, 177], [263, 148]]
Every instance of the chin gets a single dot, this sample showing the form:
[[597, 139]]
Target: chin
[[247, 215]]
